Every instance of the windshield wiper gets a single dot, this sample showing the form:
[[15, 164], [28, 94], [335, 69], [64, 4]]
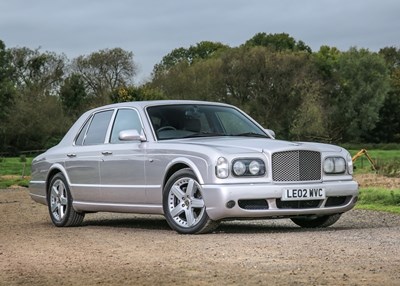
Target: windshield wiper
[[204, 134], [251, 134]]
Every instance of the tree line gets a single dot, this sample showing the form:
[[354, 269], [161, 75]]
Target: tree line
[[327, 95]]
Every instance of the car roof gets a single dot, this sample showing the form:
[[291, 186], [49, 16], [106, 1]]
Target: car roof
[[147, 103]]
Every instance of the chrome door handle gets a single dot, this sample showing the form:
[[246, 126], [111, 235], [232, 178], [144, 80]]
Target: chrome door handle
[[71, 155], [106, 153]]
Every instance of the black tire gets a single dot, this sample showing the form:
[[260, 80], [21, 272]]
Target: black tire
[[322, 221], [183, 204], [59, 202]]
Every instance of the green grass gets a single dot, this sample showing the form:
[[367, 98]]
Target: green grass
[[14, 171], [15, 166], [381, 158], [6, 183], [374, 207], [379, 199]]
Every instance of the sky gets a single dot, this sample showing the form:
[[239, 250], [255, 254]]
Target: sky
[[153, 28]]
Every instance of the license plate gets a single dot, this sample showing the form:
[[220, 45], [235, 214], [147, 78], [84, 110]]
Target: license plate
[[303, 194]]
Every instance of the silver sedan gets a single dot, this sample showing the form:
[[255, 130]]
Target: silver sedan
[[197, 163]]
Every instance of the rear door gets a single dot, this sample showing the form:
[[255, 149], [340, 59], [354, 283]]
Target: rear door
[[83, 160]]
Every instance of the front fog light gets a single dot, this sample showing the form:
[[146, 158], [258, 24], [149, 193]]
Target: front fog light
[[239, 168], [254, 167], [222, 168]]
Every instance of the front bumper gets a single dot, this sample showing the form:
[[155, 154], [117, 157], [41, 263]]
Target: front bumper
[[216, 197]]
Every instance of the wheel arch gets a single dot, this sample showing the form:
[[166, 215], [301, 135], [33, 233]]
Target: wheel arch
[[179, 164], [55, 169]]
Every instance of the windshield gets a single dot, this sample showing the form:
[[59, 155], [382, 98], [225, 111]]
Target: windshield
[[191, 120]]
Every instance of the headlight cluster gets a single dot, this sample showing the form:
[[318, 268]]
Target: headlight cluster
[[334, 165], [248, 167], [240, 167]]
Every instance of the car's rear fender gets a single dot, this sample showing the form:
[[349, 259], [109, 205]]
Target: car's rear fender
[[53, 170]]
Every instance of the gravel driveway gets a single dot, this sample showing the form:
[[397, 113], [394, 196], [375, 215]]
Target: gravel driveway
[[363, 248]]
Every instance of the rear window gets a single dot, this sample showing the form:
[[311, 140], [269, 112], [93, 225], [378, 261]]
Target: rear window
[[95, 130]]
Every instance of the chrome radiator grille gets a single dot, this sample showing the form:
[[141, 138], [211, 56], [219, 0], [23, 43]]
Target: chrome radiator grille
[[298, 165]]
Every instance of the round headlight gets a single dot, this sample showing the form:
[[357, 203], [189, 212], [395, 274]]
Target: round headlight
[[254, 167], [239, 168], [222, 168], [329, 165], [340, 165]]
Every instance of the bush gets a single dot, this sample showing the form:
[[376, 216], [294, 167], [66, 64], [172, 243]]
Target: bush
[[388, 168]]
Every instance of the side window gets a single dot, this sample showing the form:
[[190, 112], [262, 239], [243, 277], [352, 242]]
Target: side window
[[81, 136], [96, 133], [125, 119]]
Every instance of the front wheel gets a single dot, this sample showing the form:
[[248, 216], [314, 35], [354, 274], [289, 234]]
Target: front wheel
[[59, 201], [314, 222], [183, 204]]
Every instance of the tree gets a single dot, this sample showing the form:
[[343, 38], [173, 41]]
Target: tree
[[132, 93], [7, 89], [388, 127], [200, 51], [270, 86], [277, 42], [357, 95], [200, 81], [7, 92], [40, 73], [37, 115], [105, 71], [73, 96]]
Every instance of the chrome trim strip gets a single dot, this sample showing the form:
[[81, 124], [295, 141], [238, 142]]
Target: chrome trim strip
[[37, 182], [118, 205], [116, 186]]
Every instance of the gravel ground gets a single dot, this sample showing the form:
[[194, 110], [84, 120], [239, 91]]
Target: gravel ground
[[362, 248]]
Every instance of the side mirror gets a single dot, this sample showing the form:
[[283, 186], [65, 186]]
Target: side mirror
[[131, 135], [271, 133]]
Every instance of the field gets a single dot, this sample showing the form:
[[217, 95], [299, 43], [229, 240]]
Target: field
[[387, 162], [15, 171]]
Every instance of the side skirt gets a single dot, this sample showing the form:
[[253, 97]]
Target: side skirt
[[121, 208]]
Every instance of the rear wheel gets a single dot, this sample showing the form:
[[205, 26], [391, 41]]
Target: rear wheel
[[314, 222], [183, 204], [59, 202]]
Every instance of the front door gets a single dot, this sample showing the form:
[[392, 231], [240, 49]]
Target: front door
[[122, 174]]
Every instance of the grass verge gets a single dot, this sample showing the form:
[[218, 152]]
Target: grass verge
[[8, 182], [374, 207], [15, 171], [379, 199]]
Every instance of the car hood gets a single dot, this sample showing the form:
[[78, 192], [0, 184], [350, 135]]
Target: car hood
[[248, 144]]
